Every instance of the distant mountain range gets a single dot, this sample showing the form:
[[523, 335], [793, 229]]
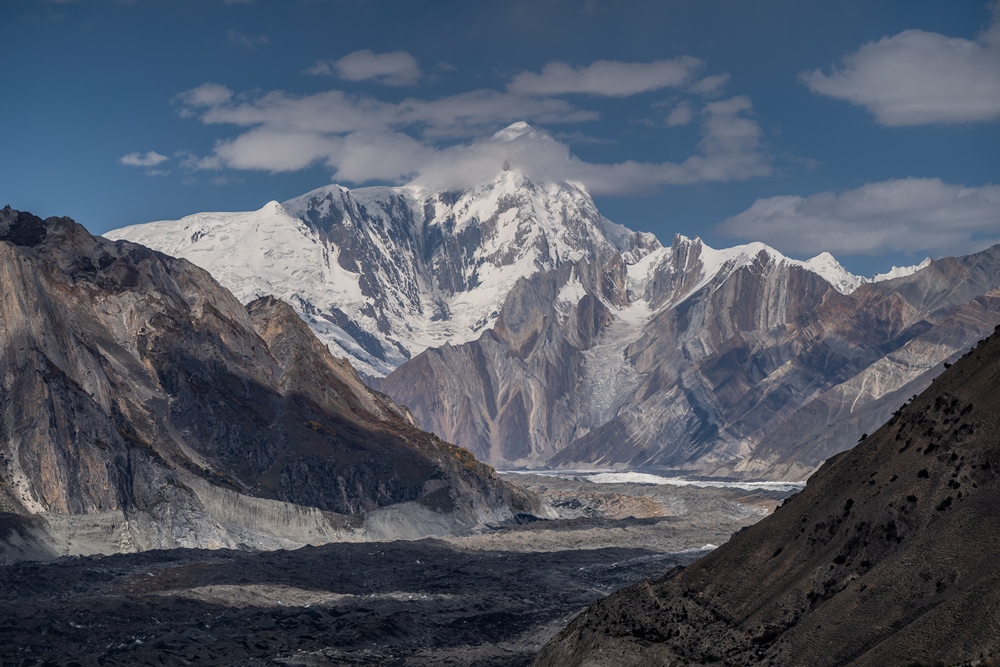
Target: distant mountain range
[[143, 406], [515, 320], [889, 556]]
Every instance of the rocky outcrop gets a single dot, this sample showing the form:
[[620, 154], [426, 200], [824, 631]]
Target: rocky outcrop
[[721, 362], [144, 406], [888, 556], [513, 395]]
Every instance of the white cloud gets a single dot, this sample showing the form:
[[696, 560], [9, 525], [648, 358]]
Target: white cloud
[[362, 139], [246, 41], [335, 112], [396, 68], [915, 215], [149, 159], [606, 77], [919, 77], [207, 95], [682, 114], [710, 85], [271, 150]]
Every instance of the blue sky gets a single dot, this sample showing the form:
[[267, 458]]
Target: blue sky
[[867, 128]]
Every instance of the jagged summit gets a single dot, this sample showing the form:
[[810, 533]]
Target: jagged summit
[[520, 130], [382, 273], [901, 271]]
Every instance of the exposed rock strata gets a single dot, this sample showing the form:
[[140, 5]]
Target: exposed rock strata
[[143, 406], [764, 370], [888, 556]]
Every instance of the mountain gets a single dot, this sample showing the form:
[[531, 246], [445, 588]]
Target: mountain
[[734, 362], [515, 320], [384, 273], [889, 556], [144, 406]]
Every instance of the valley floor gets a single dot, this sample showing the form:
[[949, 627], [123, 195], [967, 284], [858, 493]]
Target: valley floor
[[484, 600]]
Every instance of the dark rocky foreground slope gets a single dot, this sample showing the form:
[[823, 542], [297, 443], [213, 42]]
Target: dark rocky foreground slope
[[489, 599], [143, 406], [890, 556]]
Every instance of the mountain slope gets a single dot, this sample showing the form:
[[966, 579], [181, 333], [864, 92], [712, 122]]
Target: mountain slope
[[733, 362], [515, 320], [384, 273], [143, 406], [888, 556]]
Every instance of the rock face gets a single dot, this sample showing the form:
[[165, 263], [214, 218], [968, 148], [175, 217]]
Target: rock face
[[888, 556], [143, 406], [736, 362]]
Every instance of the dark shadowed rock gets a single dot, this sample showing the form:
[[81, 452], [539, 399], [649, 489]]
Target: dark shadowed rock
[[890, 555], [143, 406]]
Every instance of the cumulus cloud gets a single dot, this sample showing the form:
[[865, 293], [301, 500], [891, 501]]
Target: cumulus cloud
[[362, 139], [682, 114], [610, 78], [710, 85], [149, 159], [919, 77], [207, 95], [914, 215], [729, 150], [336, 112], [396, 68]]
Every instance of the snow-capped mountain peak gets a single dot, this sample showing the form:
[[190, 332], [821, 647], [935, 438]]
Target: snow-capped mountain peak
[[519, 130], [901, 271], [382, 273], [827, 267]]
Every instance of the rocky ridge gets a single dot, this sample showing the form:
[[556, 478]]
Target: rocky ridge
[[888, 556], [144, 406], [736, 362], [383, 273]]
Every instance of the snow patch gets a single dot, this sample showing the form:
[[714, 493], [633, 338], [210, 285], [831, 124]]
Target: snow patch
[[825, 266], [901, 271]]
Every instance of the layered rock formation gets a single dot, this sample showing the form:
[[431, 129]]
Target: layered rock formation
[[737, 362], [888, 556], [144, 406]]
